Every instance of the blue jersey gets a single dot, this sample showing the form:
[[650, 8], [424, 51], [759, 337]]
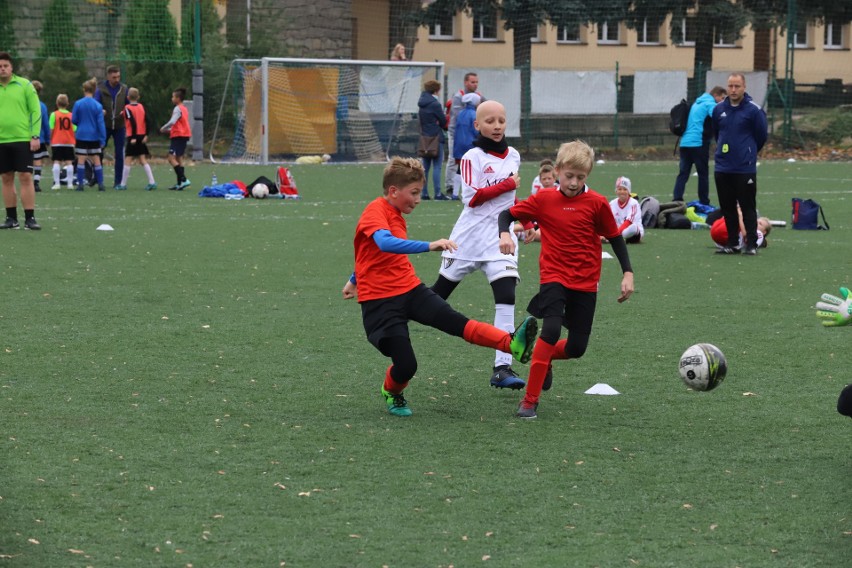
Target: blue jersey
[[44, 135], [88, 116]]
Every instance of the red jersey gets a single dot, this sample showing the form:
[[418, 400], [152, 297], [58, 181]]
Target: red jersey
[[381, 274], [571, 228], [134, 120], [180, 129]]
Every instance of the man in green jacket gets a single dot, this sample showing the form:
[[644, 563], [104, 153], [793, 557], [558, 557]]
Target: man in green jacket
[[20, 123]]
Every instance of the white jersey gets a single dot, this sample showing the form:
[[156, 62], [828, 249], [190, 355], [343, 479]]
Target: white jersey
[[476, 231], [629, 212]]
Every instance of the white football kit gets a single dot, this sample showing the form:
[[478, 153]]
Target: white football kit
[[630, 212]]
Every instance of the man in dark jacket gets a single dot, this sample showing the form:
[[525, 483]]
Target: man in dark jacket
[[739, 125], [112, 94]]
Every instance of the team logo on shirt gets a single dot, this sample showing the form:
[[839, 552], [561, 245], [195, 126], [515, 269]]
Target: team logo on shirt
[[488, 170]]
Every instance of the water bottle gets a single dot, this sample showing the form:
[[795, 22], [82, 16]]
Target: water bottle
[[215, 180], [697, 225]]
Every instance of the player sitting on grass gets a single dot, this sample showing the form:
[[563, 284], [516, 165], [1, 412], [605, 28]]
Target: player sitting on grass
[[572, 221], [391, 294], [625, 209]]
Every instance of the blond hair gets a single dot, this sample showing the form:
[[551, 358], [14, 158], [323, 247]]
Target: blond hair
[[402, 171], [90, 86], [133, 94], [575, 155], [62, 100]]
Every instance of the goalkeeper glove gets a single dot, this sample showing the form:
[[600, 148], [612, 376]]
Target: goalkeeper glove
[[835, 311]]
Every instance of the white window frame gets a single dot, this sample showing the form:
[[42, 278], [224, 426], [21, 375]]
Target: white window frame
[[719, 39], [436, 30], [540, 35], [479, 29], [642, 34], [828, 35], [685, 42], [798, 42], [604, 32], [562, 31]]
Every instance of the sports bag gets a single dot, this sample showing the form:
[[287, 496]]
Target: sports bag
[[650, 208], [806, 213]]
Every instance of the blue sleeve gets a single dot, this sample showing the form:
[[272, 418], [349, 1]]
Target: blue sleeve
[[389, 243], [761, 128], [97, 95]]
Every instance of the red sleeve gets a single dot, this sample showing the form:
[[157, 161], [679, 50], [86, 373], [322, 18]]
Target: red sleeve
[[624, 225], [487, 193]]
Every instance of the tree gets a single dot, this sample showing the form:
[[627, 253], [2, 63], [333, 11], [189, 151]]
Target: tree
[[7, 29]]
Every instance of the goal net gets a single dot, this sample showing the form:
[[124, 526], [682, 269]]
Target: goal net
[[278, 109]]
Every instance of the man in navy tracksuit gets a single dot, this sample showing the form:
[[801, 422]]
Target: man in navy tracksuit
[[739, 125]]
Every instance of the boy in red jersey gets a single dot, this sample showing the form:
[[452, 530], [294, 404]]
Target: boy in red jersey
[[572, 221], [391, 294], [136, 126], [179, 135]]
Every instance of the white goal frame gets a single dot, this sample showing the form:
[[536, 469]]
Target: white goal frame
[[396, 102]]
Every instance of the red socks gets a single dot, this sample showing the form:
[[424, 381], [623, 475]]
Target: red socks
[[541, 357], [559, 349], [486, 335], [391, 385]]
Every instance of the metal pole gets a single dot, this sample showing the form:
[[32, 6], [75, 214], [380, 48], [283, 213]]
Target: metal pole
[[788, 74], [197, 90]]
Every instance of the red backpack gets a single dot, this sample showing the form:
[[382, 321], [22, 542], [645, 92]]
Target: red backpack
[[286, 184]]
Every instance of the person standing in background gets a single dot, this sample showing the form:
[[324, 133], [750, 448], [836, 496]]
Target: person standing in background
[[112, 94], [695, 145]]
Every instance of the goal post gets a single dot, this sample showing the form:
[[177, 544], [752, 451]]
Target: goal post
[[278, 109]]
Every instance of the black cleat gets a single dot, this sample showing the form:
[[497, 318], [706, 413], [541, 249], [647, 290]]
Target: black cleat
[[32, 225], [505, 377]]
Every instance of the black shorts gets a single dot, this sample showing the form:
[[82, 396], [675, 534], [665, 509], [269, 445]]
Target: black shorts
[[41, 153], [16, 157], [577, 309], [135, 147], [177, 146], [63, 153], [389, 317], [87, 148]]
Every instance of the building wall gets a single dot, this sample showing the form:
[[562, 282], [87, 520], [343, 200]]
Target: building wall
[[372, 24]]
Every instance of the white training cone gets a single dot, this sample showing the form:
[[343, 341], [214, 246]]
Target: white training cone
[[104, 227], [605, 254], [602, 388]]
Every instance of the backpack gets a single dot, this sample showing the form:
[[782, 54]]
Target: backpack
[[286, 184], [678, 221], [805, 212], [678, 117], [650, 208]]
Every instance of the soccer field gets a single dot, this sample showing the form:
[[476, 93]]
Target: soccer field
[[191, 390]]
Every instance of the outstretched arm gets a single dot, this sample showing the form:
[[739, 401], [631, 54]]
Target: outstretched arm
[[619, 247], [835, 311]]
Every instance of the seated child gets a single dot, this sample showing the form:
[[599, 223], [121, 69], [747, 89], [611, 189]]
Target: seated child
[[627, 213]]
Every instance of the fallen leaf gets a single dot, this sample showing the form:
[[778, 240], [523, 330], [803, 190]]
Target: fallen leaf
[[75, 551], [486, 557], [616, 450], [33, 541], [687, 506], [749, 394]]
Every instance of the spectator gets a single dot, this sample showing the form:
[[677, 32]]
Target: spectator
[[739, 125], [112, 94], [398, 53], [20, 124], [432, 123], [695, 145], [454, 107]]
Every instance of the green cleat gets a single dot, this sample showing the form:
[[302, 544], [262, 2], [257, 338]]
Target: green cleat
[[523, 340], [397, 405]]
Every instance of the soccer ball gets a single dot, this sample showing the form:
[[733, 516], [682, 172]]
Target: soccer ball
[[703, 367], [260, 191]]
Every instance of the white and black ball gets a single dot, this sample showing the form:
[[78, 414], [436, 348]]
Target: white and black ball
[[703, 367]]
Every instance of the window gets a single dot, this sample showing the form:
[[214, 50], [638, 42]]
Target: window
[[687, 32], [485, 27], [648, 34], [568, 34], [724, 36], [539, 35], [833, 35], [800, 36], [609, 33], [443, 28]]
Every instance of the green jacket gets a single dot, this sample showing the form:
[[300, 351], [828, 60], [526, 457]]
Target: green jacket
[[20, 111]]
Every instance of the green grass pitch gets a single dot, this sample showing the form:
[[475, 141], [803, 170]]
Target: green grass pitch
[[191, 390]]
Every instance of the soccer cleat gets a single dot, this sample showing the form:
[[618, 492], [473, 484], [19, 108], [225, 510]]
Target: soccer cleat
[[37, 187], [425, 197], [101, 187], [526, 410], [548, 379], [31, 224], [728, 250], [79, 187], [397, 405], [523, 340], [175, 187], [184, 184], [750, 251], [505, 377], [10, 224], [120, 187], [55, 186], [441, 197], [151, 187]]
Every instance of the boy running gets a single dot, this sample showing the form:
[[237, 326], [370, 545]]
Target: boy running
[[489, 177], [179, 133], [572, 220], [391, 294], [136, 125]]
